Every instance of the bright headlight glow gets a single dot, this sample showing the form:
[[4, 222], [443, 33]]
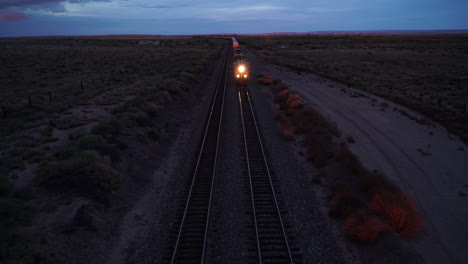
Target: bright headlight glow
[[238, 75], [245, 75], [241, 68]]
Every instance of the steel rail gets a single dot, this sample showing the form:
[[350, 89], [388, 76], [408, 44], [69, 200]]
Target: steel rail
[[219, 86], [244, 96]]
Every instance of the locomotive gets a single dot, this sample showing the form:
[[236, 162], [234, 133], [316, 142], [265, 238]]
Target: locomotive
[[241, 67]]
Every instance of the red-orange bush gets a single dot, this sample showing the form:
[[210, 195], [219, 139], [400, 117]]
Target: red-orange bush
[[278, 115], [317, 145], [363, 225], [284, 93], [281, 86], [370, 182], [292, 98], [287, 132], [344, 201], [345, 156], [399, 211], [296, 104], [281, 98]]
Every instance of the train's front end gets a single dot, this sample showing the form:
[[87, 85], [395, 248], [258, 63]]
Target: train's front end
[[241, 73]]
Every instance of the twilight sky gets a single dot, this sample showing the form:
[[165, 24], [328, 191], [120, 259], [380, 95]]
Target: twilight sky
[[94, 17]]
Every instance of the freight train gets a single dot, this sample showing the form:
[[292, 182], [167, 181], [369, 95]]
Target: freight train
[[241, 67]]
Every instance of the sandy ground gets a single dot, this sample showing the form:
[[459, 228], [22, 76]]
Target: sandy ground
[[418, 155]]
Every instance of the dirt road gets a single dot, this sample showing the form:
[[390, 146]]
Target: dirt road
[[418, 155]]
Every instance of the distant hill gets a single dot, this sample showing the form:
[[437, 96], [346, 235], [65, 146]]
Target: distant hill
[[396, 32]]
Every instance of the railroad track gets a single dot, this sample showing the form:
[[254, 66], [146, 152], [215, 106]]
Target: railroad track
[[191, 242], [272, 245]]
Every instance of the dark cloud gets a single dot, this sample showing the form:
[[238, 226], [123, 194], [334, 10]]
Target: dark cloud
[[50, 5], [12, 16], [160, 6], [21, 3]]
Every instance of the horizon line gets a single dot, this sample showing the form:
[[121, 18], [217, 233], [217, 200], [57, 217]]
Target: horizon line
[[384, 31]]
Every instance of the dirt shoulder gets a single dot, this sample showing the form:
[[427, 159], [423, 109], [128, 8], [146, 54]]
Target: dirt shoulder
[[418, 155]]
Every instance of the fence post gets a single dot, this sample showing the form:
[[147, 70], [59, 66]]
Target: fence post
[[50, 96], [4, 111], [92, 82], [29, 101], [82, 86]]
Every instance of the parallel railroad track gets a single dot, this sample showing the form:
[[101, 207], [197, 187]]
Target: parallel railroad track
[[272, 245], [191, 242]]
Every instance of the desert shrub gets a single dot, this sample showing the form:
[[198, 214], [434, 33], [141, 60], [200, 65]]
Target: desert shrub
[[17, 241], [350, 140], [26, 142], [293, 106], [344, 201], [286, 131], [14, 212], [318, 147], [133, 105], [108, 129], [66, 123], [320, 121], [86, 171], [344, 155], [399, 211], [151, 109], [369, 182], [278, 115], [131, 119], [90, 141], [4, 182], [283, 95], [363, 225], [160, 97], [65, 151], [141, 118], [154, 133], [281, 86], [15, 158], [47, 131], [77, 134], [188, 76], [99, 144]]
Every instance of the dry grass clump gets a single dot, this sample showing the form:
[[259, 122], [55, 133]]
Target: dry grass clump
[[369, 204]]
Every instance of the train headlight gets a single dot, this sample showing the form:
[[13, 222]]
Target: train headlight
[[245, 75], [237, 75], [241, 68]]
